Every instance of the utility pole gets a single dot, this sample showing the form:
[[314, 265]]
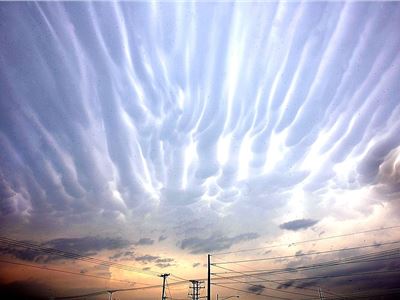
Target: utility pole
[[164, 276], [110, 294], [209, 277], [196, 286], [321, 297]]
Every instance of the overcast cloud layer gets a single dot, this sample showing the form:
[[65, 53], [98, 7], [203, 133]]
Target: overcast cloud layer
[[207, 120]]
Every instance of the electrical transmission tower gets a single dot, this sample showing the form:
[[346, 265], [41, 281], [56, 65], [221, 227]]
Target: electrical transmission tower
[[195, 289]]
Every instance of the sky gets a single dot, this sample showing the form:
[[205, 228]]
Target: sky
[[151, 134]]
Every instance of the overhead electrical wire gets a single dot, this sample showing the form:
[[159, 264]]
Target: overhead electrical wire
[[376, 256], [268, 288], [250, 292], [65, 271], [178, 277], [76, 256], [169, 291], [320, 277], [303, 268], [395, 291], [296, 287], [306, 254], [266, 280], [118, 290], [277, 282], [308, 241], [72, 255], [384, 255], [357, 258]]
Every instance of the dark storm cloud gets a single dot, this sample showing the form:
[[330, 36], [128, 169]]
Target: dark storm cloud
[[257, 288], [215, 242], [286, 284], [162, 238], [158, 261], [27, 254], [87, 244], [146, 258], [123, 255], [298, 224], [384, 276], [164, 265], [165, 260], [144, 241]]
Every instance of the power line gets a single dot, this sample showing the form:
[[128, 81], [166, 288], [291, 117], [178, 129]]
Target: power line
[[276, 290], [249, 292], [169, 291], [395, 291], [273, 281], [65, 271], [306, 254], [72, 255], [277, 282], [119, 290], [178, 277], [360, 258], [382, 255], [76, 256], [303, 268], [317, 277], [308, 241]]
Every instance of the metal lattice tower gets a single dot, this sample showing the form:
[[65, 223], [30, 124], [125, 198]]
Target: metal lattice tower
[[195, 289]]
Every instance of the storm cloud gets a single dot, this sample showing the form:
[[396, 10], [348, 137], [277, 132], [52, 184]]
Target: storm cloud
[[257, 288], [298, 224], [145, 241], [89, 245], [215, 242]]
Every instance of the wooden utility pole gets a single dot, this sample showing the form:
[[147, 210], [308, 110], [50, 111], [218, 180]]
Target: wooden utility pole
[[209, 277], [164, 276]]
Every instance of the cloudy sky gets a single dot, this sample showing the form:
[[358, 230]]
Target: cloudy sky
[[152, 134]]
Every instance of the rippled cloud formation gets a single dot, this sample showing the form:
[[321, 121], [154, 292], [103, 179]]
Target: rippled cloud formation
[[206, 119]]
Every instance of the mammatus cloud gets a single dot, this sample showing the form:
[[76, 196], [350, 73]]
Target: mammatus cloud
[[215, 242], [219, 116], [298, 224]]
